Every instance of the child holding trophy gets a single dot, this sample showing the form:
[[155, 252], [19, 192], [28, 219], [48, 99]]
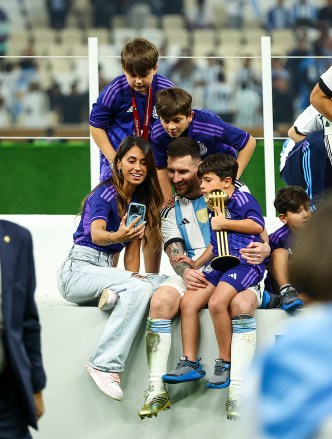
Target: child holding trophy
[[232, 228]]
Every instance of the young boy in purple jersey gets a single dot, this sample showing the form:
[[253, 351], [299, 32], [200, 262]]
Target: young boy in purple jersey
[[177, 118], [244, 222], [126, 106], [293, 206]]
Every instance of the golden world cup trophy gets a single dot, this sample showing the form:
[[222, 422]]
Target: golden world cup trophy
[[224, 261]]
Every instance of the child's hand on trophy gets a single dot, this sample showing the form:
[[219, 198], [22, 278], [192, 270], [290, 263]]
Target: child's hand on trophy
[[218, 222]]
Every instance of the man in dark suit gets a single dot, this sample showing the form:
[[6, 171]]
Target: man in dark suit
[[22, 376]]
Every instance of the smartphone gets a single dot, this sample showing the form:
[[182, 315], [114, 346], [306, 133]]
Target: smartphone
[[135, 210]]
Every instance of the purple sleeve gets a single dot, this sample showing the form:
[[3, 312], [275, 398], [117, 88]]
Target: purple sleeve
[[235, 137]]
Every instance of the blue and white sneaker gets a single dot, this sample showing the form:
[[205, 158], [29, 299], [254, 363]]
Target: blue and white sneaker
[[222, 375], [290, 300], [270, 300], [185, 371]]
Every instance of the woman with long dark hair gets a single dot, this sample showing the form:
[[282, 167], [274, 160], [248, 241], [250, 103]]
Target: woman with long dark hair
[[87, 274]]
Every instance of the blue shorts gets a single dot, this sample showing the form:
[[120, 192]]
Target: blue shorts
[[240, 277]]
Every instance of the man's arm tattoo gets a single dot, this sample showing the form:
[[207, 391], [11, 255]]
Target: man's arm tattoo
[[176, 249]]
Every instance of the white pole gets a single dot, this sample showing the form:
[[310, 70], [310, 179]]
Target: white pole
[[93, 95], [268, 126]]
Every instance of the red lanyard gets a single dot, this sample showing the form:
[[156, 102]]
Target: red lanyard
[[147, 115]]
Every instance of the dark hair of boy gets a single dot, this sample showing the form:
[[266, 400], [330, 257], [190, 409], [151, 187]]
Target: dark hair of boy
[[223, 165], [310, 271], [139, 56], [290, 199], [173, 101], [183, 146]]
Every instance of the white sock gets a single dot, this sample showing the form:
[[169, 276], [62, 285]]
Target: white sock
[[158, 344]]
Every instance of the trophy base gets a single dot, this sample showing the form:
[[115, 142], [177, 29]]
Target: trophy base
[[224, 263]]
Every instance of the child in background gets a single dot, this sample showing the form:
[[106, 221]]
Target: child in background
[[244, 222], [293, 205]]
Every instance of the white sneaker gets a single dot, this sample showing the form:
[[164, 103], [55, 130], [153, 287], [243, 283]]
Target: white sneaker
[[108, 382], [107, 300]]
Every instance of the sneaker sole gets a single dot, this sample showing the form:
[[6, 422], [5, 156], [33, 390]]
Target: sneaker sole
[[219, 386], [293, 306], [102, 304], [185, 378], [167, 406]]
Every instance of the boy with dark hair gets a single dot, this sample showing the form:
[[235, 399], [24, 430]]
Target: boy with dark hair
[[244, 222], [177, 119], [126, 106], [293, 206]]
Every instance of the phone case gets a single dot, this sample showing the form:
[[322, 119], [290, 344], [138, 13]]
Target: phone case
[[135, 210]]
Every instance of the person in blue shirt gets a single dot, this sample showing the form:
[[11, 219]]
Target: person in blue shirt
[[290, 392], [87, 274], [177, 118], [244, 222]]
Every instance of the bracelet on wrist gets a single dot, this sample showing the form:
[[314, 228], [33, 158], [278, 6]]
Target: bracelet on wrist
[[109, 239]]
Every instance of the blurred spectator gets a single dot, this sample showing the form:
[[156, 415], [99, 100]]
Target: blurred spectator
[[35, 108], [4, 33], [248, 107], [278, 69], [215, 66], [248, 75], [5, 119], [74, 105], [164, 64], [200, 16], [278, 17], [304, 13], [58, 11], [235, 13], [102, 11], [173, 6], [55, 98], [219, 98], [324, 14], [283, 111], [187, 74], [294, 64]]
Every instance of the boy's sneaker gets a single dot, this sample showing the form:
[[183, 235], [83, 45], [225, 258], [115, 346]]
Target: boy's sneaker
[[290, 300], [185, 371], [108, 382], [156, 400], [221, 377], [107, 300], [270, 300]]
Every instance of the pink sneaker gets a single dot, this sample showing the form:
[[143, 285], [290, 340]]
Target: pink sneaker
[[108, 382]]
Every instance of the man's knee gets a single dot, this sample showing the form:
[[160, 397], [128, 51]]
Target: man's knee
[[165, 302], [244, 303]]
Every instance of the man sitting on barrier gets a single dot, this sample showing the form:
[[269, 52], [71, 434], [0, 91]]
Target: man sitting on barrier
[[185, 230]]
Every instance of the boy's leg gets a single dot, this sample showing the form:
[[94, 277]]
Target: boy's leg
[[218, 306], [164, 306], [242, 310], [279, 272], [189, 369]]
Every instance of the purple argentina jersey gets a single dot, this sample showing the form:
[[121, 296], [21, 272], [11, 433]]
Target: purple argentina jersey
[[281, 238], [241, 205], [212, 133], [113, 112], [101, 204]]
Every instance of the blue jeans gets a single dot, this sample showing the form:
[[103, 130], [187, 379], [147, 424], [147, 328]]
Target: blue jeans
[[82, 277]]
